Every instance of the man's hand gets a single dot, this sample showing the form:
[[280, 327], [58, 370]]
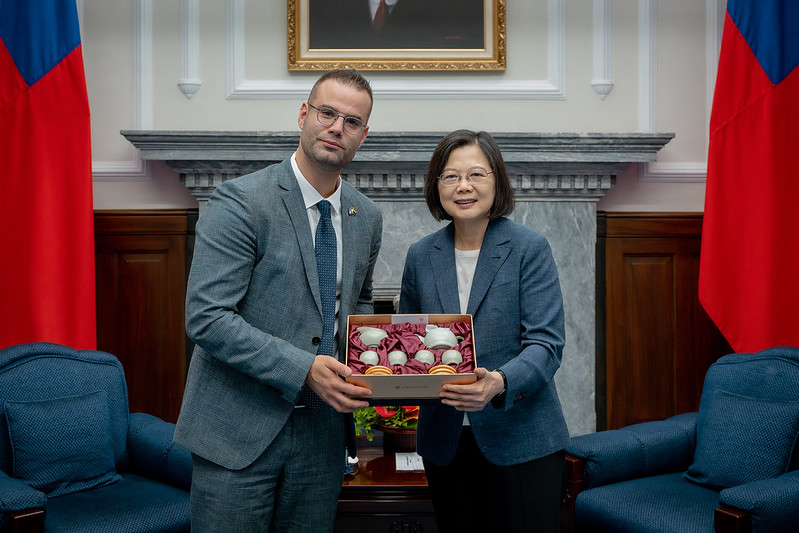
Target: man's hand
[[473, 396], [326, 379]]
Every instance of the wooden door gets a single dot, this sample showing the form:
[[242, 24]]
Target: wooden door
[[141, 262], [659, 342]]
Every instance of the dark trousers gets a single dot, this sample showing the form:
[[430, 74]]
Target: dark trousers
[[471, 494]]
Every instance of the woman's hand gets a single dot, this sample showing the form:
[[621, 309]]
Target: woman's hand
[[473, 396]]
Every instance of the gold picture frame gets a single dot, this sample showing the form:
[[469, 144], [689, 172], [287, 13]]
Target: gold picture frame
[[452, 39]]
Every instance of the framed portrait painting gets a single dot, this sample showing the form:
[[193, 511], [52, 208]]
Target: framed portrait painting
[[409, 35]]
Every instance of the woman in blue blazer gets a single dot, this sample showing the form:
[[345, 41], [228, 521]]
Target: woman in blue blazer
[[493, 449]]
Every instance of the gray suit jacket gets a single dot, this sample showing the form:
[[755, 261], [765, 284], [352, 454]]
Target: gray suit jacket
[[517, 309], [254, 312]]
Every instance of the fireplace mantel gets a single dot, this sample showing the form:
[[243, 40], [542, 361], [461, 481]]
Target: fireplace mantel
[[390, 166], [558, 179]]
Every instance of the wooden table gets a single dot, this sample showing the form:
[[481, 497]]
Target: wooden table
[[379, 499]]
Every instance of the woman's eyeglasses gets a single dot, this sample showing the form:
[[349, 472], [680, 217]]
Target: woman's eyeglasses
[[476, 176]]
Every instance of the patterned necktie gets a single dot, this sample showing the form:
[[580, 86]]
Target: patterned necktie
[[325, 249], [380, 16]]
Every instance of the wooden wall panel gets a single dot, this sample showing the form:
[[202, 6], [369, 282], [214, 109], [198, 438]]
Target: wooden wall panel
[[658, 341], [141, 262]]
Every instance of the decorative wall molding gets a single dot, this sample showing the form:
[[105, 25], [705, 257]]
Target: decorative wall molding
[[134, 170], [677, 172], [189, 81], [240, 88], [142, 62], [716, 11], [602, 83], [391, 165], [647, 65]]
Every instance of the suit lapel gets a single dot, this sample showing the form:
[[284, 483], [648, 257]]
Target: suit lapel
[[292, 198], [442, 265], [349, 235], [493, 253]]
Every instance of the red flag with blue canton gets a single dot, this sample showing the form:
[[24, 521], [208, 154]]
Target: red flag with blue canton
[[47, 286], [749, 267]]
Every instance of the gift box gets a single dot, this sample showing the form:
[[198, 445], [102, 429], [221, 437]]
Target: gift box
[[417, 379]]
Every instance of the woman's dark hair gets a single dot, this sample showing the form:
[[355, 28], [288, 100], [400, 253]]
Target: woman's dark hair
[[503, 191]]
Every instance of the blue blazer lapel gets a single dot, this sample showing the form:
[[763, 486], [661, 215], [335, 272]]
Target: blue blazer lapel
[[292, 198], [442, 264], [493, 253]]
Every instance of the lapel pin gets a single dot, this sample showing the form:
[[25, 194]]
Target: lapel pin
[[352, 212]]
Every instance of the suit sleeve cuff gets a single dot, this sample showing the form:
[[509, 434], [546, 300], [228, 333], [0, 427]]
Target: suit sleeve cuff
[[498, 401]]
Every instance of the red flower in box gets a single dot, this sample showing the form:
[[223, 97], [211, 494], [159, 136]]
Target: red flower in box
[[369, 419], [408, 412], [384, 412]]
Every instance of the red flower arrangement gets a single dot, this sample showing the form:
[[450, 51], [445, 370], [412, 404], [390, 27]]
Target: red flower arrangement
[[369, 419]]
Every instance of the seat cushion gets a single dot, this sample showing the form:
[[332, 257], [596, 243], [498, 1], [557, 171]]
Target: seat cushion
[[62, 445], [740, 439], [664, 504], [135, 503]]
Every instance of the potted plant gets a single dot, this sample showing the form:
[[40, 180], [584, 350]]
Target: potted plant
[[398, 424]]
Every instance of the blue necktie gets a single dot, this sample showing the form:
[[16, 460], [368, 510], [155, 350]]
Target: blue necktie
[[325, 249]]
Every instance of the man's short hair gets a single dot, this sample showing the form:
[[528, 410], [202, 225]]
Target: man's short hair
[[347, 77]]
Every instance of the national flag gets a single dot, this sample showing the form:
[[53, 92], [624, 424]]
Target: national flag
[[749, 266], [47, 285]]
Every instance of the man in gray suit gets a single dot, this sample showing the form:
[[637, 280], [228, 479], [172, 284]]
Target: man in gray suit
[[268, 455]]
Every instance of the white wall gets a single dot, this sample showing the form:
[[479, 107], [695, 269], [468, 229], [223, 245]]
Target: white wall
[[660, 57]]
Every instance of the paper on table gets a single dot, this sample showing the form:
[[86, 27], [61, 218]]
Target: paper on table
[[409, 462]]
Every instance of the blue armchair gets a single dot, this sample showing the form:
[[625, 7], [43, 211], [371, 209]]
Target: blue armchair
[[72, 459], [731, 466]]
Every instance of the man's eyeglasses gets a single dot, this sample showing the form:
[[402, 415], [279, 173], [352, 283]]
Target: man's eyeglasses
[[327, 116], [476, 176]]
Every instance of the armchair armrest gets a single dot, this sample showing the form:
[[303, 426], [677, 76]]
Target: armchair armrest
[[575, 483], [16, 495], [21, 506], [728, 519], [772, 503], [153, 452], [635, 451]]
